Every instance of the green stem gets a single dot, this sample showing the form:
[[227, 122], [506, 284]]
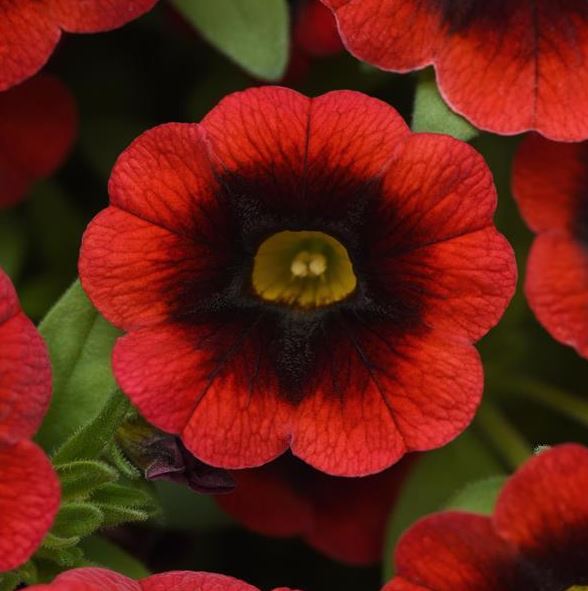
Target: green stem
[[507, 441], [567, 404]]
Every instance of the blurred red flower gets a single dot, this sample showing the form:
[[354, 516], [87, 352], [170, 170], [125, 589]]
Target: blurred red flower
[[345, 518], [550, 183], [315, 30], [29, 491], [300, 273], [30, 30], [38, 124], [508, 66], [100, 579], [535, 540]]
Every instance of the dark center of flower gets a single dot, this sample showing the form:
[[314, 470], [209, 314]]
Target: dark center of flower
[[303, 269], [460, 15]]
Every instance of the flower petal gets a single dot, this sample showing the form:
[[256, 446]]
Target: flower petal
[[94, 16], [455, 552], [542, 511], [205, 384], [25, 371], [556, 286], [549, 182], [29, 499], [28, 36], [191, 581], [394, 35], [90, 579]]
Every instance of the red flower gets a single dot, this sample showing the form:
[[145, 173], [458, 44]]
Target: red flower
[[29, 492], [507, 65], [38, 123], [304, 274], [550, 187], [535, 541], [30, 30], [100, 579], [345, 518]]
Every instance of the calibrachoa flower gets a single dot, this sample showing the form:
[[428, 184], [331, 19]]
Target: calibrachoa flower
[[507, 65], [536, 539], [29, 491], [550, 187], [345, 518], [30, 30], [100, 579], [300, 273], [38, 123]]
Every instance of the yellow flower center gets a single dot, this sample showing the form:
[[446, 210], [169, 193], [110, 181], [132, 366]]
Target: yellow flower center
[[578, 588], [303, 269]]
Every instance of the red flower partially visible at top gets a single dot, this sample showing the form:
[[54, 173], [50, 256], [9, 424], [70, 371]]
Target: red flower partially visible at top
[[300, 273], [550, 183], [507, 65], [38, 123], [536, 540], [29, 491], [30, 29], [345, 518], [101, 579]]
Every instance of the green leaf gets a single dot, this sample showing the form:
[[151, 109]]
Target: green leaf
[[53, 542], [92, 439], [126, 496], [79, 478], [104, 553], [9, 581], [435, 477], [77, 519], [80, 343], [253, 33], [478, 497], [67, 557], [117, 515], [432, 115]]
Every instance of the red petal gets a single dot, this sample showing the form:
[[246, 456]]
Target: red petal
[[191, 581], [443, 245], [134, 270], [28, 36], [266, 502], [549, 182], [397, 35], [90, 579], [25, 371], [543, 511], [315, 31], [225, 415], [557, 287], [38, 123], [455, 552], [29, 499], [93, 16], [262, 131]]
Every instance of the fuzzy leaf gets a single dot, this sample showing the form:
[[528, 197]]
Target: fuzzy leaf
[[92, 439], [53, 542], [432, 115], [125, 496], [80, 343], [77, 519], [117, 515], [255, 33], [79, 478]]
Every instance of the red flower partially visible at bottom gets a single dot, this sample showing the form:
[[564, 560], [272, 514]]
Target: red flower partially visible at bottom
[[551, 186], [29, 491], [100, 579], [536, 540], [38, 123], [345, 518]]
